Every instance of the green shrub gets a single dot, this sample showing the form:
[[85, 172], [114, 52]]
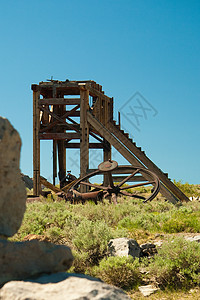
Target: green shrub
[[122, 272], [92, 238], [177, 264], [80, 263], [188, 189], [182, 221]]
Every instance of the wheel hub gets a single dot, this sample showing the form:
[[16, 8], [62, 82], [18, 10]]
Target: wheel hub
[[108, 166], [115, 190]]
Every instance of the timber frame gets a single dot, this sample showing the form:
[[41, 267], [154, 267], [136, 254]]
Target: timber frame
[[68, 113]]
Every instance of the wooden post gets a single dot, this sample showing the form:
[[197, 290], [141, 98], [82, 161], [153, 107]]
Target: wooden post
[[61, 152], [54, 161], [107, 149], [36, 142], [84, 139]]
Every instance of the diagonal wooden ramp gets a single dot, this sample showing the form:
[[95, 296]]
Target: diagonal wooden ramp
[[127, 148]]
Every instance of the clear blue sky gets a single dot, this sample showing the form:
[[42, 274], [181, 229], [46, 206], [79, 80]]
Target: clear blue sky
[[146, 46]]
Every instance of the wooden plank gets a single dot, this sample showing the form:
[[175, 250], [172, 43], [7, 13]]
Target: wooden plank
[[77, 145], [59, 136], [59, 101], [119, 146]]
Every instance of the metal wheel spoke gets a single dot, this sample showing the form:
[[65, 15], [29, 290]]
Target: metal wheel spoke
[[100, 187], [128, 177], [136, 185], [132, 195]]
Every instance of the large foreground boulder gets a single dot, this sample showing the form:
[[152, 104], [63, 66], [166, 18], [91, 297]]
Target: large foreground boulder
[[22, 260], [61, 286], [12, 189]]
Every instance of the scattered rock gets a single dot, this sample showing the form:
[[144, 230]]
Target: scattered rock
[[193, 198], [31, 199], [12, 189], [148, 249], [147, 290], [157, 235], [27, 181], [31, 237], [22, 260], [124, 247], [158, 244], [195, 238], [61, 286]]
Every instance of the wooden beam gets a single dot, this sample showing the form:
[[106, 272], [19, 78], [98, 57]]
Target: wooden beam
[[49, 185], [36, 143], [107, 150], [84, 138], [66, 126], [54, 161], [73, 114], [59, 101], [77, 145], [59, 136]]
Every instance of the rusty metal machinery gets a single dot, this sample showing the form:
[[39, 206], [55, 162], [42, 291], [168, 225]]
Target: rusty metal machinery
[[115, 188]]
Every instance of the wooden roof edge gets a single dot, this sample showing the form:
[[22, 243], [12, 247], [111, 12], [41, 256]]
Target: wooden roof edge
[[94, 88]]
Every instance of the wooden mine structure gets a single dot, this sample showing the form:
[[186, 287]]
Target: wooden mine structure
[[55, 106]]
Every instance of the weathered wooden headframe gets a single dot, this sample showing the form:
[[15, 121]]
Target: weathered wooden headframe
[[53, 119]]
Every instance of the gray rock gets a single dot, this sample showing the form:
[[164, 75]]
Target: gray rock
[[158, 244], [148, 249], [61, 287], [12, 189], [21, 260], [27, 181], [195, 238], [147, 290], [124, 247]]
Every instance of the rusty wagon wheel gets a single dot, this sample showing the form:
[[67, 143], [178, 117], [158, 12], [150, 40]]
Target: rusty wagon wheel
[[141, 176]]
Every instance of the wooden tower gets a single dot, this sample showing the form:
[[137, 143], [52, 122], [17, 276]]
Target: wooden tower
[[68, 113]]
